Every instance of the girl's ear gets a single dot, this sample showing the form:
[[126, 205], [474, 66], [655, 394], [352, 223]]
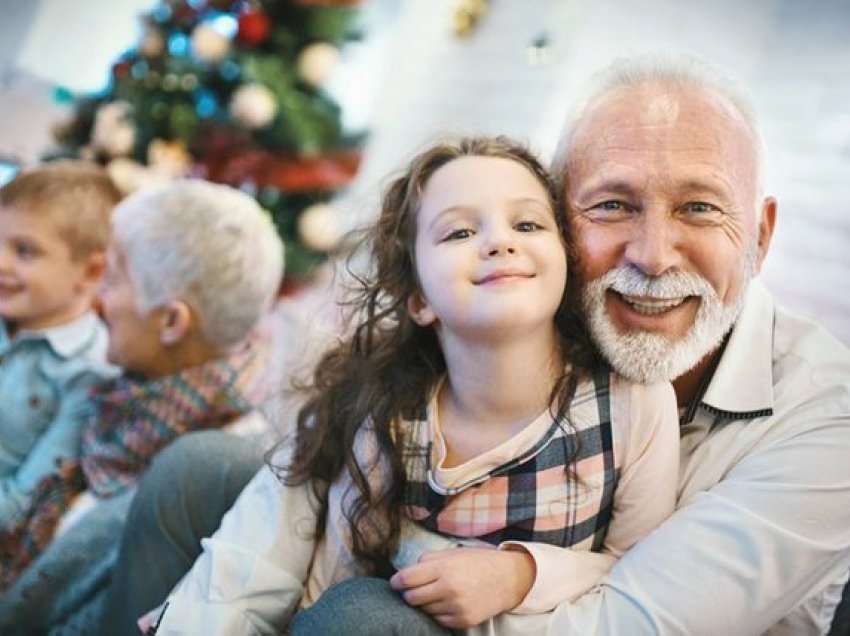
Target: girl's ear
[[419, 310], [175, 322]]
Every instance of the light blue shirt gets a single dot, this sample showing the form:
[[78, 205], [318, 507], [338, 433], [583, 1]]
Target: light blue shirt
[[45, 377]]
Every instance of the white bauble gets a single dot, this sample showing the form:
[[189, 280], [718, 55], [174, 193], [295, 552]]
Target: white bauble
[[253, 106], [152, 43], [114, 131], [319, 227], [317, 62], [209, 45]]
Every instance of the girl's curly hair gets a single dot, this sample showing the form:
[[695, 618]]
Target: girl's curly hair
[[389, 367]]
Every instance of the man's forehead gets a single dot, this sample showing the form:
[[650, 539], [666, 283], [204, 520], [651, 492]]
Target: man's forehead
[[659, 105]]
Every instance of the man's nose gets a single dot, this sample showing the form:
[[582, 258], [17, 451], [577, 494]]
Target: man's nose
[[654, 247]]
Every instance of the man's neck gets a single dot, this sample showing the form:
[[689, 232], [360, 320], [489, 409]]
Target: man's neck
[[688, 385]]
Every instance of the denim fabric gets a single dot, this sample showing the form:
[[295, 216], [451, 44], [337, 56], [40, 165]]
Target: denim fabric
[[66, 576], [180, 500], [45, 377], [363, 606]]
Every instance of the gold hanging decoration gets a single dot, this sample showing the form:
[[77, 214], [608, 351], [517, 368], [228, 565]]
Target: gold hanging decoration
[[467, 15]]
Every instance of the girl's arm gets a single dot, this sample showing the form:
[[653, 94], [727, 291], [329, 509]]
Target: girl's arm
[[645, 496], [249, 578]]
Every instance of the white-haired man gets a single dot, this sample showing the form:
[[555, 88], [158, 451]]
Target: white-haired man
[[662, 181]]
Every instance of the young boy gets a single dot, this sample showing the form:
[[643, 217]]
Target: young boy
[[54, 227]]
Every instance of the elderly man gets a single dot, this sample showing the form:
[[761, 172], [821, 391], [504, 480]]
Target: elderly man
[[662, 179]]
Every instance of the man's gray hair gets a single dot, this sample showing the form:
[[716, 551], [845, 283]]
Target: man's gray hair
[[678, 70], [209, 245]]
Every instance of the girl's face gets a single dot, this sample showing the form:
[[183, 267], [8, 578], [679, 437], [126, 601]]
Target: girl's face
[[489, 254], [134, 337]]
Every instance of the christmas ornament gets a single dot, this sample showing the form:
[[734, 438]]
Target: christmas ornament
[[253, 105], [152, 43], [114, 132], [319, 227], [254, 27], [129, 176], [539, 51], [467, 15], [316, 63], [169, 158], [208, 45]]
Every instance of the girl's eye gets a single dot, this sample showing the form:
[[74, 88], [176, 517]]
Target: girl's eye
[[528, 226], [457, 235]]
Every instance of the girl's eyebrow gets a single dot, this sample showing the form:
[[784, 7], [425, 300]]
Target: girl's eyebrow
[[459, 209]]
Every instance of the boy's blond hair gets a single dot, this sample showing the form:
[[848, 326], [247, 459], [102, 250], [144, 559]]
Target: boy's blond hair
[[77, 195]]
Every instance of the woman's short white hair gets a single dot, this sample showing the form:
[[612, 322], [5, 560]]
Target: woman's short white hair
[[678, 70], [209, 245]]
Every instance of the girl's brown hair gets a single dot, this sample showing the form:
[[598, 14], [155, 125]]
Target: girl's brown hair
[[389, 367]]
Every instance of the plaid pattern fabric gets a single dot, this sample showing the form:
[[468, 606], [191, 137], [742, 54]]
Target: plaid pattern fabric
[[132, 421], [534, 497]]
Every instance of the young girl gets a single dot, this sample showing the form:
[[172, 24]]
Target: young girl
[[191, 268], [466, 409]]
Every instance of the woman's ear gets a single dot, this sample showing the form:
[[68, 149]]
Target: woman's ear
[[419, 310], [175, 322]]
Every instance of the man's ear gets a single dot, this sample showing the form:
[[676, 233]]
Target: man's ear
[[767, 221], [175, 321], [419, 310]]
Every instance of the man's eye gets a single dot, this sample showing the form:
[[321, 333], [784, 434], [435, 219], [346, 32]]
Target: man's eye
[[700, 207], [614, 206], [528, 226], [457, 235]]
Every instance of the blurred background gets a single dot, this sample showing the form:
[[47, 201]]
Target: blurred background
[[401, 73]]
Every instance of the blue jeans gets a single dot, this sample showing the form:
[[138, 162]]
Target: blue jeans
[[69, 575], [181, 499], [363, 606]]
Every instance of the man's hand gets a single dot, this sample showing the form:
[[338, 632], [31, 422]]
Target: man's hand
[[463, 587]]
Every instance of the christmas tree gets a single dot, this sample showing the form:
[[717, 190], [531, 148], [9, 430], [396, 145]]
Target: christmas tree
[[231, 91]]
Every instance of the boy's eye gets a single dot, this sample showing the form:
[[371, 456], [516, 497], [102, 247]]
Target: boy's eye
[[26, 250]]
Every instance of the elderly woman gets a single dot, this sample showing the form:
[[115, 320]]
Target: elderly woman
[[191, 268]]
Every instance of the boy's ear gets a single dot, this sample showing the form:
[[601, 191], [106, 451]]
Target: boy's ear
[[95, 266], [175, 321], [419, 310]]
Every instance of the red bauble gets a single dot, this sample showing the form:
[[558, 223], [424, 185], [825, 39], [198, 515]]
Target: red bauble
[[254, 27], [121, 69]]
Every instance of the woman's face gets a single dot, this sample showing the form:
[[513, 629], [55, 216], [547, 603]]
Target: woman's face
[[134, 336]]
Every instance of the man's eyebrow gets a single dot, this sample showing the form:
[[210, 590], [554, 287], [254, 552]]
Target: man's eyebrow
[[608, 186], [701, 185]]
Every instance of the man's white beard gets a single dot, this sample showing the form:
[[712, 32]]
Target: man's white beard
[[646, 357]]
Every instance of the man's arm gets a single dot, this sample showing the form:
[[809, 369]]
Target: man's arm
[[738, 557]]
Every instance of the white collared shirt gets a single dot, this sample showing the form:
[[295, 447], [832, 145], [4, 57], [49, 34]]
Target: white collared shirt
[[760, 541]]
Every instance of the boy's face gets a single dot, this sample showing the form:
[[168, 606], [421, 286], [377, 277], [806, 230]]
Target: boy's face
[[41, 285], [134, 337]]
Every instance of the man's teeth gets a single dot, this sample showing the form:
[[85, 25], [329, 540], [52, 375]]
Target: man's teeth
[[650, 306]]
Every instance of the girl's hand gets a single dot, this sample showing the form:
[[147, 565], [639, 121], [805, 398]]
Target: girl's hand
[[463, 587]]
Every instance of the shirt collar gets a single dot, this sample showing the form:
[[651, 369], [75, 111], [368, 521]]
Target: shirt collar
[[741, 386], [65, 340]]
